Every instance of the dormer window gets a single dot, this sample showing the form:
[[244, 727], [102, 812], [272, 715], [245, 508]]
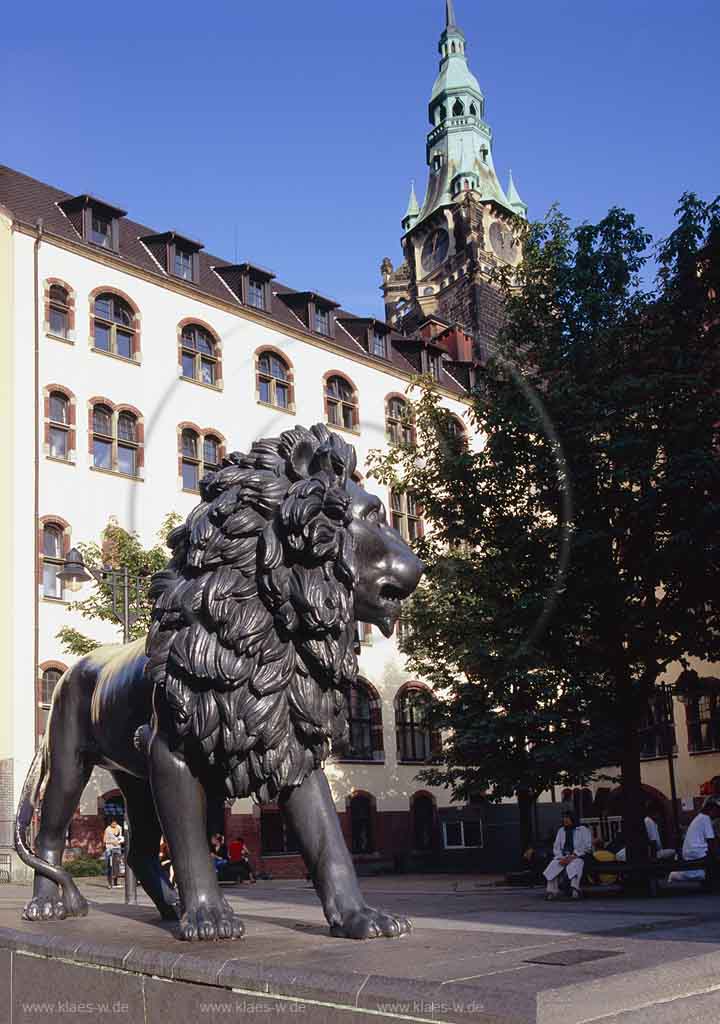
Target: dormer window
[[101, 230], [94, 220], [178, 256], [431, 363], [183, 264], [378, 344], [322, 320], [256, 293], [251, 284], [315, 311]]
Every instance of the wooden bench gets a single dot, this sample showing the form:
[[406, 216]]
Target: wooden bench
[[652, 872]]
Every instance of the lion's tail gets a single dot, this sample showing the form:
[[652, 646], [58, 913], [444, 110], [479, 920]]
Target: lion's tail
[[26, 808]]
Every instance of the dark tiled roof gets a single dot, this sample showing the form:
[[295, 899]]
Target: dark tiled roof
[[29, 199]]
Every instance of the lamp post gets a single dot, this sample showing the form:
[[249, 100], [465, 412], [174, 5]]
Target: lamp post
[[669, 742], [125, 592]]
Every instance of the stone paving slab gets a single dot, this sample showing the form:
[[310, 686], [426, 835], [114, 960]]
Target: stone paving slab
[[468, 959]]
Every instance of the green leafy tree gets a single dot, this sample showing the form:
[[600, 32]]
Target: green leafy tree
[[574, 556], [116, 549]]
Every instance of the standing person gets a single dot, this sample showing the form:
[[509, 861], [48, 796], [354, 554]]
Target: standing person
[[572, 842], [113, 841]]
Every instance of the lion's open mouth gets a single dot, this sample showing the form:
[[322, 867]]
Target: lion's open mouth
[[392, 594]]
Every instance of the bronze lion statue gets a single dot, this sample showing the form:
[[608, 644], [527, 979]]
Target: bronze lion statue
[[239, 689]]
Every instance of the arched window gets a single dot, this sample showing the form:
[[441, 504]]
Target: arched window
[[114, 326], [453, 48], [274, 381], [473, 110], [362, 832], [46, 687], [415, 741], [364, 724], [398, 422], [200, 453], [58, 311], [341, 404], [116, 440], [127, 444], [53, 556], [58, 425], [405, 515], [423, 822], [199, 357], [456, 433], [458, 109]]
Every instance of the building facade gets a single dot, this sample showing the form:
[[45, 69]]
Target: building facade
[[134, 361]]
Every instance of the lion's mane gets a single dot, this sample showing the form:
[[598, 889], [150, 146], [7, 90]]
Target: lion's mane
[[251, 648]]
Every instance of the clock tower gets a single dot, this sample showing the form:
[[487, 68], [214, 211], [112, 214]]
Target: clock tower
[[467, 222]]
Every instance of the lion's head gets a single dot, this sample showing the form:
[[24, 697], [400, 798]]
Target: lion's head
[[251, 650]]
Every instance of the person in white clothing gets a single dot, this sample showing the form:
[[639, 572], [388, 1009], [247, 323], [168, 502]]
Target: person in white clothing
[[700, 838], [653, 835], [572, 843], [700, 842]]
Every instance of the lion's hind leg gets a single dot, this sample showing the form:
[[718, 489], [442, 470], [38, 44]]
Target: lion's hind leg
[[143, 855], [67, 776]]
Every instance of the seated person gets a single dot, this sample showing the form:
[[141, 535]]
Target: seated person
[[700, 843], [218, 851], [572, 843], [238, 854], [657, 852]]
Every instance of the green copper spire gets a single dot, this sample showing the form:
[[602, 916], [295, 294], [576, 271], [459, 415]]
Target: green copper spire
[[514, 199], [459, 145], [413, 210]]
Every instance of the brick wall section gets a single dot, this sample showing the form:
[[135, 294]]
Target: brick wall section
[[7, 809], [392, 838]]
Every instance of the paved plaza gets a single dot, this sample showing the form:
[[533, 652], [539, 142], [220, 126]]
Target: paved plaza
[[479, 952]]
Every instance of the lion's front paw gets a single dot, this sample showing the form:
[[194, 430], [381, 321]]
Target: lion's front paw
[[369, 923], [208, 923], [42, 908]]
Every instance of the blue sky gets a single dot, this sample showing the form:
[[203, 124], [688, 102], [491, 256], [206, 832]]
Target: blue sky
[[287, 133]]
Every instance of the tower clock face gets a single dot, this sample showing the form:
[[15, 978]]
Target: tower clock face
[[502, 241], [435, 250]]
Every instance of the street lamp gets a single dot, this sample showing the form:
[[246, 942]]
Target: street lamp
[[125, 591]]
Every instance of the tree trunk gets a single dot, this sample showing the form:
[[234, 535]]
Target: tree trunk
[[526, 802], [633, 796]]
